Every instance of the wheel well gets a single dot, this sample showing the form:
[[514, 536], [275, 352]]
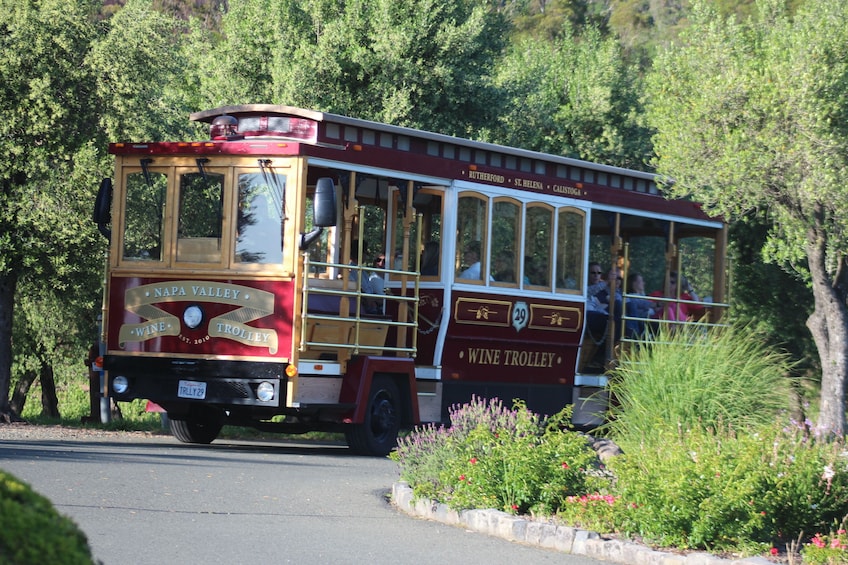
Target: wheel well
[[402, 382]]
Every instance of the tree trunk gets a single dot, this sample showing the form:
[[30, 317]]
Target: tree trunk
[[19, 396], [829, 326], [49, 400], [8, 284]]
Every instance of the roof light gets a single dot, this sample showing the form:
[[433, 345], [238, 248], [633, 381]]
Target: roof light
[[223, 127]]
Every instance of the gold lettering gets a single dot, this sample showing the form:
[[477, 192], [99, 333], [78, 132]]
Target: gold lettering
[[489, 177], [510, 357], [515, 358], [567, 190]]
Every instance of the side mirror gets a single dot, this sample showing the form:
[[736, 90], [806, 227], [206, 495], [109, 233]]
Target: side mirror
[[323, 211], [324, 206], [103, 208]]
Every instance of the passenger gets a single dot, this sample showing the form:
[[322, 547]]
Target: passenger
[[596, 280], [471, 258], [598, 302], [430, 259], [603, 294], [377, 282], [397, 263], [637, 307], [369, 305], [536, 272], [504, 268], [671, 310], [694, 312]]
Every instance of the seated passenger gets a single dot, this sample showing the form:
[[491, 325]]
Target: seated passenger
[[471, 258], [637, 307], [504, 268], [367, 286], [671, 310], [598, 301], [694, 312], [430, 259]]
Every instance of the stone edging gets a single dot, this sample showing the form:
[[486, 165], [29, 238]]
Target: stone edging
[[551, 536]]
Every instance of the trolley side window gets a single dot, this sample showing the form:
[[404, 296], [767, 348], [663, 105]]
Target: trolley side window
[[144, 216], [472, 229], [506, 234], [429, 205], [201, 199], [538, 244], [570, 245]]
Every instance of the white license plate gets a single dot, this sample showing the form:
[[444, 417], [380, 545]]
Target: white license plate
[[191, 389]]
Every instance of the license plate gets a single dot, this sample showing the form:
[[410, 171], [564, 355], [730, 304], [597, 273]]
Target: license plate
[[191, 389]]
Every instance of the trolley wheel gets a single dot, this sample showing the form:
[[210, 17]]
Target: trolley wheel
[[377, 434], [198, 426]]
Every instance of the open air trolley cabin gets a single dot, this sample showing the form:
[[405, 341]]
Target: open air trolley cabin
[[308, 271]]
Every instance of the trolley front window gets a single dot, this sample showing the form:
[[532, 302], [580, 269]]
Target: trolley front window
[[260, 218], [144, 216], [200, 217]]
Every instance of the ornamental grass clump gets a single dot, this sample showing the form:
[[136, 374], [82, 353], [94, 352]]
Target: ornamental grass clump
[[691, 375], [493, 457]]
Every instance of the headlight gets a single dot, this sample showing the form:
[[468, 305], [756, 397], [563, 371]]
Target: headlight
[[265, 391], [192, 316], [120, 384]]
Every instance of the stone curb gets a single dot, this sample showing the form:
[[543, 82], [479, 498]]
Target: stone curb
[[551, 536]]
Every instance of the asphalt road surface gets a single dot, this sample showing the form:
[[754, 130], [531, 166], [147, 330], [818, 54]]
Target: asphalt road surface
[[143, 498]]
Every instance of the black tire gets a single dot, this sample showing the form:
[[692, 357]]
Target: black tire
[[377, 434], [199, 426]]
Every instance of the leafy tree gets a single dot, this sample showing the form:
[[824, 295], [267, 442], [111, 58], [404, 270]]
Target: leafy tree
[[572, 97], [143, 83], [751, 119], [45, 105], [58, 299], [422, 63]]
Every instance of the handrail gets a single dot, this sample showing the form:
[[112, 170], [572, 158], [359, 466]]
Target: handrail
[[355, 315], [702, 322]]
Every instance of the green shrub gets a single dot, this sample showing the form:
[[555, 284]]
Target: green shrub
[[33, 533], [492, 457], [719, 489]]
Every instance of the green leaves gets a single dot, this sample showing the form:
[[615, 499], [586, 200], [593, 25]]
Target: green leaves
[[574, 96], [421, 64]]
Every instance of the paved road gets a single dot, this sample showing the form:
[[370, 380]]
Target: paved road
[[150, 499]]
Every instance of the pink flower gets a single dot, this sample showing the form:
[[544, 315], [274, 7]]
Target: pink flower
[[462, 477], [817, 541], [773, 551], [835, 543], [564, 465], [515, 508], [473, 460]]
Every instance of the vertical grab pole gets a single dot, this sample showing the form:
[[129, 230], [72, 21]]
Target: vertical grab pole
[[615, 249]]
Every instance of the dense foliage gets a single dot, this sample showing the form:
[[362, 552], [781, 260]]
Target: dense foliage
[[33, 533], [751, 120], [707, 469], [494, 457], [554, 76]]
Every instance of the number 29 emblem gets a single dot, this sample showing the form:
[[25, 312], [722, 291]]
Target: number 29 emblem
[[520, 315]]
